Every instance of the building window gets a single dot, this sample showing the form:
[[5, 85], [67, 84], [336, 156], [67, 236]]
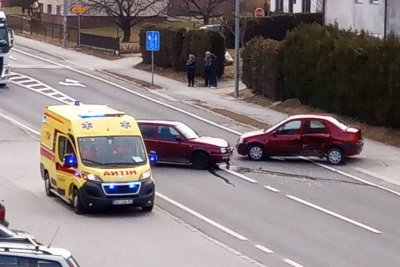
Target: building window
[[375, 2], [48, 9], [359, 1], [58, 9]]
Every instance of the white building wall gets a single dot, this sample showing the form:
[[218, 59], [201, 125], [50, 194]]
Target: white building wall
[[297, 7], [394, 17], [357, 16]]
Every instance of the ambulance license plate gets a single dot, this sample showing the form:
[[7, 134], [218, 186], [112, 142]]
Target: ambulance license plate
[[122, 201]]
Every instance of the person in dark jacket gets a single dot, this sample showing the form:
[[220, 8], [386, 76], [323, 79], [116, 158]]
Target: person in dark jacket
[[191, 70], [207, 69], [213, 71]]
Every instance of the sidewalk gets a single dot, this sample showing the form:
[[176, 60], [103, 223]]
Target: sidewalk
[[379, 160]]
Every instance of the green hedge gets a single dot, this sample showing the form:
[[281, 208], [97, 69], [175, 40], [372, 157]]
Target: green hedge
[[176, 45], [344, 72], [170, 47], [271, 27], [262, 67]]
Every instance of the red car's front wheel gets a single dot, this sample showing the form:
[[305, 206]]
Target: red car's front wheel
[[255, 152]]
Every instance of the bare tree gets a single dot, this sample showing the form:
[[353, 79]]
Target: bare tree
[[126, 13], [205, 9]]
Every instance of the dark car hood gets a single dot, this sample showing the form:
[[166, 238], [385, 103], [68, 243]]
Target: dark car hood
[[211, 141]]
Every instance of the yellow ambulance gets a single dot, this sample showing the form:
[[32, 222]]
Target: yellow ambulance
[[93, 156]]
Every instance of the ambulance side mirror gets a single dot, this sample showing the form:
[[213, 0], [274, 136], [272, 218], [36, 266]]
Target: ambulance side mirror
[[70, 161], [152, 157]]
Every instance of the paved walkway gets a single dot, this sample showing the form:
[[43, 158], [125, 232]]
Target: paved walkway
[[380, 159]]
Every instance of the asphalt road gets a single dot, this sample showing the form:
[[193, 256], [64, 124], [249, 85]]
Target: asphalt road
[[291, 212]]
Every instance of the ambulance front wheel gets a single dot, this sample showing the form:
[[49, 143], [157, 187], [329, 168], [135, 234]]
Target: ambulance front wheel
[[76, 202], [47, 185], [148, 208]]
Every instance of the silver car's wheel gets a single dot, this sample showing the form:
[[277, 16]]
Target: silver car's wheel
[[255, 152], [335, 156]]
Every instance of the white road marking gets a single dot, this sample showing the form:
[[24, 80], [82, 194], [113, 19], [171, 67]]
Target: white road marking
[[292, 263], [351, 176], [270, 188], [239, 175], [70, 82], [201, 217], [12, 58], [366, 227], [191, 115], [19, 124], [264, 249], [375, 175]]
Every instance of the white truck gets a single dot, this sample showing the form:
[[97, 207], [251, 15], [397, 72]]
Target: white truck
[[6, 42]]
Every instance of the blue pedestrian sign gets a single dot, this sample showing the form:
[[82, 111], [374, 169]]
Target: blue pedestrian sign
[[153, 41]]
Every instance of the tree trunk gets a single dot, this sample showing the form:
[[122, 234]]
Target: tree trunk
[[125, 25], [206, 19], [127, 34]]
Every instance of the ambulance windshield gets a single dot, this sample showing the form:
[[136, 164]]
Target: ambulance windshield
[[112, 151]]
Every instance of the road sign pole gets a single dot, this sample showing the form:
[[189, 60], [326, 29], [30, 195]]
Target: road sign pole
[[152, 68], [237, 47], [79, 30], [65, 22]]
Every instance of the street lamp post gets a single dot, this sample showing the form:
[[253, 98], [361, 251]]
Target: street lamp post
[[65, 12], [237, 46]]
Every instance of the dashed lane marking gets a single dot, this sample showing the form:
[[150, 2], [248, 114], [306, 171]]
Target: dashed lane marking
[[264, 249], [270, 188], [292, 263], [202, 217], [366, 227]]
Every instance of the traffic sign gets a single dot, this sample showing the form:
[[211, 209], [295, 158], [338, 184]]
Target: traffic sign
[[78, 9], [153, 41], [259, 12]]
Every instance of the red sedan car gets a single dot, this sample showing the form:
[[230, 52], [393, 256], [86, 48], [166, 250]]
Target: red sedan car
[[306, 135], [175, 142]]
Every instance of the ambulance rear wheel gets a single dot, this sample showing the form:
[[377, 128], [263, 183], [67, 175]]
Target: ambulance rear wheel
[[76, 202], [47, 185]]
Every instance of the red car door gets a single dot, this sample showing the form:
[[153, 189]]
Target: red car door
[[149, 136], [171, 144], [315, 137], [285, 140]]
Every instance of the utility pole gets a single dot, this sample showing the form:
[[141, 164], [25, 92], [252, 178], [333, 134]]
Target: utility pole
[[237, 46], [65, 12]]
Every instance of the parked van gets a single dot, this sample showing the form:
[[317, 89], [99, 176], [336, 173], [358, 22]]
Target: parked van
[[94, 156]]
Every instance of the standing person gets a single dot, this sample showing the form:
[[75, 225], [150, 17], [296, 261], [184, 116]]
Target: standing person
[[191, 70], [213, 71], [207, 69]]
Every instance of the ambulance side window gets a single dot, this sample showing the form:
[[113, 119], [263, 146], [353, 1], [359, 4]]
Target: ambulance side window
[[64, 147]]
